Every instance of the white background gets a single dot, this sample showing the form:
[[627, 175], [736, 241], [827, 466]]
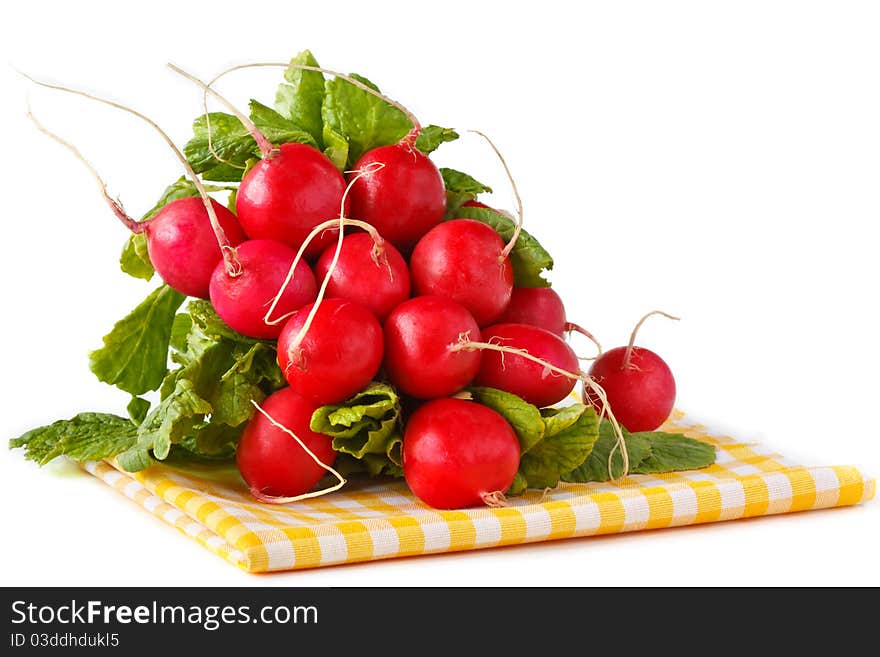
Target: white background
[[717, 160]]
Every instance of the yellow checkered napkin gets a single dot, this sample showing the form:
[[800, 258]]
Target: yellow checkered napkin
[[367, 520]]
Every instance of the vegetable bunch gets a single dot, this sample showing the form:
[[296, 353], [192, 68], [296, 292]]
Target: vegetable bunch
[[353, 309]]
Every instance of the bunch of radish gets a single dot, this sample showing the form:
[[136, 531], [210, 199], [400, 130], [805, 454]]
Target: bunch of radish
[[362, 276]]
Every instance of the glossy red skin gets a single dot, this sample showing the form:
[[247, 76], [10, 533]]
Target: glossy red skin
[[284, 197], [523, 377], [641, 395], [339, 355], [419, 336], [183, 247], [270, 461], [477, 204], [461, 260], [456, 451], [378, 286], [242, 301], [404, 199], [536, 306]]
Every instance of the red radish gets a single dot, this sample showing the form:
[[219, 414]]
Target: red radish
[[182, 245], [242, 300], [270, 460], [374, 276], [287, 194], [536, 306], [188, 237], [638, 384], [421, 357], [403, 200], [458, 454], [464, 260], [532, 381], [333, 356]]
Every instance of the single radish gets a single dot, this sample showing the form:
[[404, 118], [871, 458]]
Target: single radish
[[287, 194], [241, 300], [182, 245], [333, 356], [421, 358], [638, 384], [292, 189], [536, 306], [188, 237], [458, 453], [270, 460], [403, 200], [532, 381], [464, 260], [375, 276]]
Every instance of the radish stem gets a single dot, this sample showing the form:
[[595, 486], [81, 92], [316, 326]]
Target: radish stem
[[632, 338]]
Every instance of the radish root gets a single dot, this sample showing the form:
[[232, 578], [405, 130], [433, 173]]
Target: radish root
[[632, 338], [114, 203], [465, 344], [271, 499], [519, 206], [496, 499], [571, 327], [230, 259], [266, 148]]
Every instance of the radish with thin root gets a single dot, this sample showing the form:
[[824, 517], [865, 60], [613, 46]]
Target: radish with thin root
[[241, 300], [405, 197], [528, 379], [525, 378], [373, 275], [638, 384], [458, 454], [293, 188], [279, 456], [422, 358], [339, 353], [188, 237], [468, 262]]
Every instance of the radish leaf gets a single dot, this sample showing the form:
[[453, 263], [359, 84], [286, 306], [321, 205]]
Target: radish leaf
[[671, 452], [86, 437], [433, 136], [301, 97], [568, 441], [522, 416], [135, 353]]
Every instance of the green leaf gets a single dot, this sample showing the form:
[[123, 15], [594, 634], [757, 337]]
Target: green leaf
[[336, 148], [460, 188], [243, 383], [231, 142], [134, 357], [170, 422], [523, 417], [364, 120], [86, 437], [135, 260], [202, 314], [212, 440], [518, 487], [301, 98], [568, 441], [137, 410], [276, 128], [433, 136], [672, 452], [366, 427], [595, 467], [528, 257]]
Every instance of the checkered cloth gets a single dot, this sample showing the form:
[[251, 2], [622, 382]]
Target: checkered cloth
[[368, 520]]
